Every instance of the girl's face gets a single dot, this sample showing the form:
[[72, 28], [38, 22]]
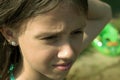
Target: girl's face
[[51, 43]]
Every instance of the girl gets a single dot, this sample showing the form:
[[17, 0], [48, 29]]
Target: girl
[[41, 39]]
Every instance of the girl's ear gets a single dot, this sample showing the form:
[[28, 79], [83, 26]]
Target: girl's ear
[[9, 35]]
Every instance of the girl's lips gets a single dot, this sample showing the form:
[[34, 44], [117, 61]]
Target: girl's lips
[[63, 66]]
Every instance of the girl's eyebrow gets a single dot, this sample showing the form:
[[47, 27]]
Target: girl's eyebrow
[[78, 29], [50, 33], [45, 34]]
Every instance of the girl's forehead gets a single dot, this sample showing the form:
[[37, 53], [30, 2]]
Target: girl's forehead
[[62, 11], [67, 13], [55, 24], [66, 7]]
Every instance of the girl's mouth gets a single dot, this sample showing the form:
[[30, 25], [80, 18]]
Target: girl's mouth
[[63, 66]]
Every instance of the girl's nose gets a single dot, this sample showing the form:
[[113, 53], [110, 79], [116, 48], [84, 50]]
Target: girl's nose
[[66, 51]]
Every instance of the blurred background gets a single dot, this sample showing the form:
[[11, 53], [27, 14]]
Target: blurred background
[[94, 64]]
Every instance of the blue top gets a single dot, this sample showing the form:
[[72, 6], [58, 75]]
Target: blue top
[[11, 72], [12, 76]]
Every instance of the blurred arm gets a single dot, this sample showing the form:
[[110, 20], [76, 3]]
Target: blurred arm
[[99, 14]]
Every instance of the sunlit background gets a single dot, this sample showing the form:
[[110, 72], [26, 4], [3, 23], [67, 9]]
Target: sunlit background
[[95, 65]]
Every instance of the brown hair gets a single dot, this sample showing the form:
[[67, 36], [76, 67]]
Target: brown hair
[[14, 12]]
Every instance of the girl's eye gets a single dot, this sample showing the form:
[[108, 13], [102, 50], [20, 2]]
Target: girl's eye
[[51, 40], [54, 37], [77, 32]]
